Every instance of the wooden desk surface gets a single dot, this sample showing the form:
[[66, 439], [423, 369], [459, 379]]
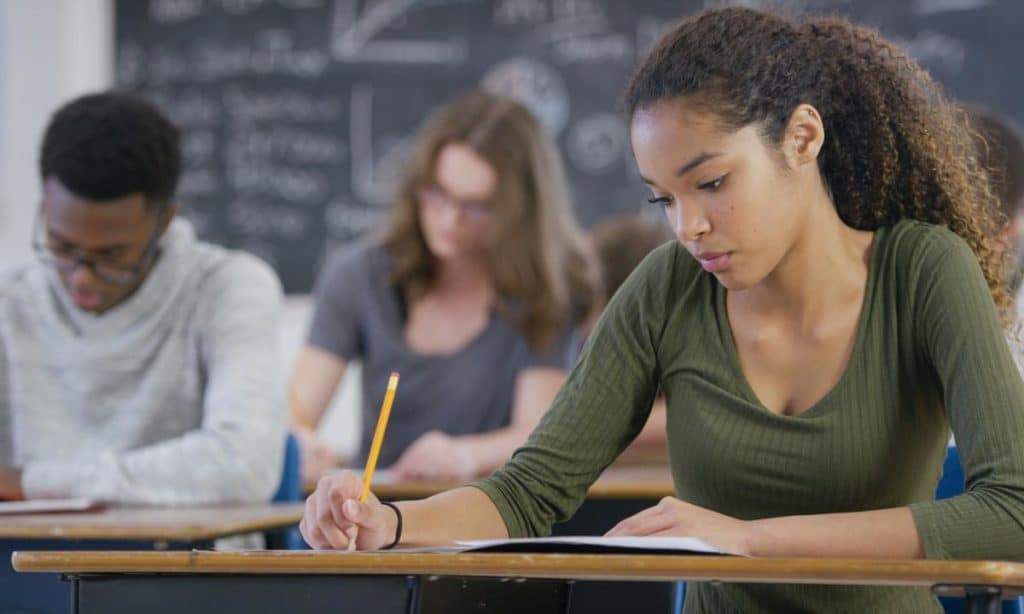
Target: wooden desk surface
[[618, 482], [155, 523], [556, 566]]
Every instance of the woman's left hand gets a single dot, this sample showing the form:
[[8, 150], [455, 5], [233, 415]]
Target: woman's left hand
[[672, 517], [435, 456]]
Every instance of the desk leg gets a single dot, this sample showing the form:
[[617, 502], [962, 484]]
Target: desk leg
[[983, 600], [74, 591], [458, 595], [253, 594], [595, 517]]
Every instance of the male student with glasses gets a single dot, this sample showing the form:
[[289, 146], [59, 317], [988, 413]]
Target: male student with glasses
[[137, 363]]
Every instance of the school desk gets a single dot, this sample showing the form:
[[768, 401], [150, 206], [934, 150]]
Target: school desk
[[302, 582], [621, 491], [617, 483], [119, 528]]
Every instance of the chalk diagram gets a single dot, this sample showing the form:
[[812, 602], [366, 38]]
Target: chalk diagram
[[932, 7], [534, 84], [376, 166], [353, 33], [596, 143]]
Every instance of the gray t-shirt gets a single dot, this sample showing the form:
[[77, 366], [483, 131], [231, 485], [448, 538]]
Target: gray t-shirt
[[360, 315]]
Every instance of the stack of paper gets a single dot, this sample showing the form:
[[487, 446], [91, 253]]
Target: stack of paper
[[39, 506]]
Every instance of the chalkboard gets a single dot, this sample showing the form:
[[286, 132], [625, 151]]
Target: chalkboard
[[297, 114]]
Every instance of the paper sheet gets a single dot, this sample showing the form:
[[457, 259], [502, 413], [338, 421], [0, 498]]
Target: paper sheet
[[587, 543], [38, 506]]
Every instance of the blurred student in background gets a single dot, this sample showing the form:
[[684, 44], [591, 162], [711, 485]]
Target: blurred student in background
[[1001, 152], [472, 293], [136, 362], [621, 242]]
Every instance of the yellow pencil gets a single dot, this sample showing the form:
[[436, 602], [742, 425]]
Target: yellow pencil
[[371, 460], [378, 435]]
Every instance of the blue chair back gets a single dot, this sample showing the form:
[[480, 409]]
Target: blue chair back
[[290, 488], [289, 491], [951, 483]]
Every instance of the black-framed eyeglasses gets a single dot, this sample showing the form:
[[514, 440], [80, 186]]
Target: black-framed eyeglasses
[[110, 271], [435, 197]]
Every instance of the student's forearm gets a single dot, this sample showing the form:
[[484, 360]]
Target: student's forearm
[[312, 386], [889, 533], [490, 450], [462, 513], [305, 412], [535, 388], [239, 464]]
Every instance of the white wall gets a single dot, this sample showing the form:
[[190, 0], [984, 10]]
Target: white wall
[[50, 52]]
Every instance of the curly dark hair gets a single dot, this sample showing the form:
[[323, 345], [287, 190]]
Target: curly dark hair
[[895, 146], [112, 144]]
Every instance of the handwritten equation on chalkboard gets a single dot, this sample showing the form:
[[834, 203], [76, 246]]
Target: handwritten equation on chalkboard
[[297, 115]]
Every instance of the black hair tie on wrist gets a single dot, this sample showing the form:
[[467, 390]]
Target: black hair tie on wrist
[[398, 528]]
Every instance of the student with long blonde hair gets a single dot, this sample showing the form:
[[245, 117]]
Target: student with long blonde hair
[[472, 294]]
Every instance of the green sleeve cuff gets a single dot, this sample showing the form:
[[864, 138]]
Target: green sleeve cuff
[[926, 515], [492, 489]]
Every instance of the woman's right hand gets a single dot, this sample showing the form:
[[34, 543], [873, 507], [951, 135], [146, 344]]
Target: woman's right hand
[[334, 515]]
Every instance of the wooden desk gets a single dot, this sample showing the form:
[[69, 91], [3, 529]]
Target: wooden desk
[[140, 581], [645, 482], [119, 528], [621, 491], [156, 524]]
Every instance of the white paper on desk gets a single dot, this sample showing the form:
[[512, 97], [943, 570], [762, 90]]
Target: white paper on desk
[[39, 506], [595, 544]]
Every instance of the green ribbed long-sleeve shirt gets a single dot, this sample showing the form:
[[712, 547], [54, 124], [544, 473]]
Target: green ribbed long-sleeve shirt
[[929, 354]]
